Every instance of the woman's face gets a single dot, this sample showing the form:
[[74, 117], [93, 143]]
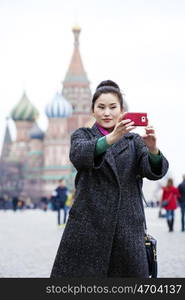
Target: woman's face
[[107, 110]]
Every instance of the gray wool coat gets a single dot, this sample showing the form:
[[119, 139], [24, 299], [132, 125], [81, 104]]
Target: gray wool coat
[[104, 235]]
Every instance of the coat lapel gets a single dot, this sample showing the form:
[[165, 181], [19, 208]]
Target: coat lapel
[[120, 146], [114, 150]]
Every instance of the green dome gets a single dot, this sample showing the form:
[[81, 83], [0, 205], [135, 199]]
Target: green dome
[[24, 110]]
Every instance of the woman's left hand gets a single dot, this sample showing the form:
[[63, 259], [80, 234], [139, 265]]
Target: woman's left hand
[[150, 139]]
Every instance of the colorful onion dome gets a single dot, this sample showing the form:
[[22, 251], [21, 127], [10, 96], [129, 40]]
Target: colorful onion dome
[[36, 132], [59, 107], [24, 110]]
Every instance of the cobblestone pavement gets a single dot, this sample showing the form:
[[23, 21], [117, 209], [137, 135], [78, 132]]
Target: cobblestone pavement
[[29, 240]]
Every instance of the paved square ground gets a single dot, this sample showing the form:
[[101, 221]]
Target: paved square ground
[[29, 240]]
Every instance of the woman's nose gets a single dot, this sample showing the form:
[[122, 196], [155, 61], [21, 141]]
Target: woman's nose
[[107, 112]]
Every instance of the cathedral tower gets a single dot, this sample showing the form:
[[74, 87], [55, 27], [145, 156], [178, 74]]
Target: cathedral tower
[[24, 114], [56, 143], [34, 164], [76, 87], [7, 143]]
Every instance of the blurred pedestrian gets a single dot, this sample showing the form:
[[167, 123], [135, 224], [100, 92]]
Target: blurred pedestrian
[[50, 202], [44, 203], [21, 203], [169, 202], [5, 202], [60, 196], [28, 202], [104, 235], [1, 202], [15, 201], [181, 201], [69, 203]]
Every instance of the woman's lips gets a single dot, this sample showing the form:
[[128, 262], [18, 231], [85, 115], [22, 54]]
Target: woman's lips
[[107, 120]]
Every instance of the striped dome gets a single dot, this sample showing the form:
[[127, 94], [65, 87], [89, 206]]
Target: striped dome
[[24, 110], [36, 132], [59, 107]]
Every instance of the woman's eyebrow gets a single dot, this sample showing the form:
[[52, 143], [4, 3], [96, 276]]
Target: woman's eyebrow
[[109, 104]]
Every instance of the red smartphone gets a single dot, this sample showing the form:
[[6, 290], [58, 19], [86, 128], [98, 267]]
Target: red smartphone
[[140, 119]]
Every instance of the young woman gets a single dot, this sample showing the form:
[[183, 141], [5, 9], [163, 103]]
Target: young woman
[[169, 198], [104, 235]]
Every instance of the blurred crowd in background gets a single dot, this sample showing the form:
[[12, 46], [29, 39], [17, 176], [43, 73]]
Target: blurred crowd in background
[[63, 198]]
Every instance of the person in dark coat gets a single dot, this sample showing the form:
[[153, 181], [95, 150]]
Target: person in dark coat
[[44, 203], [181, 201], [15, 201], [60, 197], [104, 235]]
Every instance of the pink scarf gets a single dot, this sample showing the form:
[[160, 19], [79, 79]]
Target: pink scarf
[[102, 130]]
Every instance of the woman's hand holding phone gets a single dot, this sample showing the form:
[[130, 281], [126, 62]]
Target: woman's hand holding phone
[[121, 128]]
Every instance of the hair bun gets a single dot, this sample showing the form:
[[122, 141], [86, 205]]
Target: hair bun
[[108, 83]]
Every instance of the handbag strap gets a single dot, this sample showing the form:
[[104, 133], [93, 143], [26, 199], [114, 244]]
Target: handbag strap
[[141, 198], [139, 185]]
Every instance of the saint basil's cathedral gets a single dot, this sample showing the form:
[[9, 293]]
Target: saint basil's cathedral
[[45, 155]]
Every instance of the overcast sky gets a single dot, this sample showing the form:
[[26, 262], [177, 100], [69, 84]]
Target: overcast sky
[[139, 44]]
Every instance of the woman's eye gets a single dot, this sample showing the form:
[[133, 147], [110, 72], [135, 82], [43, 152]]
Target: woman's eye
[[113, 107]]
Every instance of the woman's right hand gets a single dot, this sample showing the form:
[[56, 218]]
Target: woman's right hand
[[121, 128]]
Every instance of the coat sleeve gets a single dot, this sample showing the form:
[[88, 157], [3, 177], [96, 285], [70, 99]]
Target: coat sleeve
[[82, 150], [180, 192], [163, 197], [143, 162]]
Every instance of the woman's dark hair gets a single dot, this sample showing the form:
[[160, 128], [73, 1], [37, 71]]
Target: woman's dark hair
[[105, 87]]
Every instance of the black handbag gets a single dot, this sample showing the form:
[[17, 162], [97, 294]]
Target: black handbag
[[150, 241], [151, 252]]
